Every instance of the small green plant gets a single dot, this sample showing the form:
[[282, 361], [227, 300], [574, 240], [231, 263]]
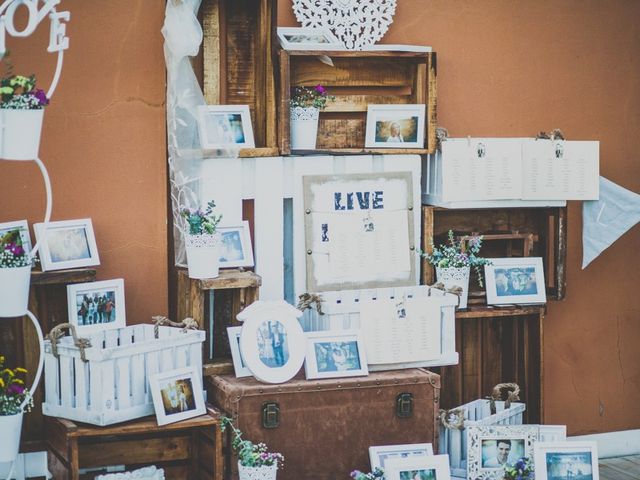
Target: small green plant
[[250, 454], [305, 97], [377, 474], [12, 390], [201, 222], [452, 254], [521, 470], [12, 252]]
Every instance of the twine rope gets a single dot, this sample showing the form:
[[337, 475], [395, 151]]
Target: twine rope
[[310, 301], [512, 391], [160, 320], [455, 289], [556, 134], [57, 332], [452, 419]]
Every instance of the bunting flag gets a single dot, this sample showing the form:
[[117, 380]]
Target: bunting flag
[[607, 219]]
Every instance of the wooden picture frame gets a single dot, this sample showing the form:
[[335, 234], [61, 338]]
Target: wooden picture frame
[[395, 126], [96, 306], [378, 455], [335, 354], [225, 126], [67, 244], [177, 395], [515, 281]]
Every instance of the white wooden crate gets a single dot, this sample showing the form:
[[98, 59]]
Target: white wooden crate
[[113, 385], [342, 312], [478, 412]]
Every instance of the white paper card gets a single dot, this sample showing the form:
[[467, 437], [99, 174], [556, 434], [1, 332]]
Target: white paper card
[[401, 330], [560, 170]]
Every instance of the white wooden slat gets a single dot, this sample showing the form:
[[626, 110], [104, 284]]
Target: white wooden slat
[[152, 364], [181, 358], [222, 182], [123, 382], [139, 333], [455, 452], [269, 227], [107, 398], [358, 164], [111, 339], [66, 381], [137, 379], [195, 356], [81, 384], [51, 379], [95, 387], [166, 359]]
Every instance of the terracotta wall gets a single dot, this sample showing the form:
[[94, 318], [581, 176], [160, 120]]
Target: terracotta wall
[[104, 142], [509, 69]]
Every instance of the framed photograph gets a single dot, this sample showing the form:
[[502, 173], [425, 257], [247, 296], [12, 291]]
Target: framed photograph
[[515, 281], [333, 354], [563, 460], [96, 306], [395, 126], [239, 366], [177, 395], [430, 467], [23, 227], [272, 341], [491, 448], [552, 433], [380, 454], [225, 126], [67, 244], [304, 38], [235, 246]]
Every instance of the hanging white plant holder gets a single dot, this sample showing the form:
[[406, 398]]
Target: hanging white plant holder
[[203, 255], [257, 473], [455, 277], [11, 427], [304, 127], [21, 129], [14, 293]]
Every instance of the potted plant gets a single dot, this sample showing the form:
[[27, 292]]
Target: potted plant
[[255, 462], [14, 399], [521, 470], [306, 104], [377, 474], [21, 114], [453, 264], [202, 241], [15, 275]]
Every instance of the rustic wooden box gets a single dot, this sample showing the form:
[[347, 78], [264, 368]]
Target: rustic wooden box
[[356, 80], [548, 226], [238, 56], [191, 449]]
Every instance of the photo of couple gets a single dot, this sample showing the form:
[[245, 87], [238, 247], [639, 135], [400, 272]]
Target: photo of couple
[[337, 356], [272, 344]]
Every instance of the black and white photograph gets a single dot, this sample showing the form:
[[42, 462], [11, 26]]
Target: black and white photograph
[[304, 38], [395, 126], [515, 281], [225, 126], [177, 394], [378, 455], [273, 347], [67, 244], [575, 460], [235, 246], [96, 306], [335, 354]]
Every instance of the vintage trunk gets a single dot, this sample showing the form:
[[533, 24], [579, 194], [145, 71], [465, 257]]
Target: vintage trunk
[[324, 428]]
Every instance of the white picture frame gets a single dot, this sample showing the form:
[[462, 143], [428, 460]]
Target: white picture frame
[[67, 244], [23, 227], [88, 309], [552, 433], [235, 246], [335, 354], [272, 341], [550, 456], [225, 126], [308, 38], [430, 467], [239, 366], [395, 126], [515, 281], [378, 455], [177, 395], [490, 448]]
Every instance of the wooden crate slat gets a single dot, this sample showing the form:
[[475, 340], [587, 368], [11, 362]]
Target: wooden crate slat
[[360, 102], [136, 451]]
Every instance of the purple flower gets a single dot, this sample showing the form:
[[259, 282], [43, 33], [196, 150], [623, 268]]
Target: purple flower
[[320, 89], [15, 389], [41, 96], [17, 250]]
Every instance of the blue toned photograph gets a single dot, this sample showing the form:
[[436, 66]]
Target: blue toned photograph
[[231, 247], [424, 474], [569, 466], [224, 128], [515, 281], [337, 356], [496, 453], [68, 243], [273, 349]]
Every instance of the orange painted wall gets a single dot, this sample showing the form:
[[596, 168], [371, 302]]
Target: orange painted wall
[[103, 142], [511, 69]]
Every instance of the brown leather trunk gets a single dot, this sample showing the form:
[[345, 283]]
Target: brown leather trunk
[[325, 427]]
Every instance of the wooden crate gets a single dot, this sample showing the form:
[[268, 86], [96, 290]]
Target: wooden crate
[[113, 384], [547, 224], [190, 449], [478, 412], [238, 55], [356, 80], [232, 291]]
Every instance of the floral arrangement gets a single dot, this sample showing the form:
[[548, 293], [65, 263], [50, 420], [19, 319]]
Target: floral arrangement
[[12, 390], [18, 92], [317, 97], [452, 254], [377, 473], [521, 470], [202, 222], [250, 454], [12, 252]]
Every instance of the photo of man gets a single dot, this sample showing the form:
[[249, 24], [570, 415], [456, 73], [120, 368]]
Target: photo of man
[[498, 453]]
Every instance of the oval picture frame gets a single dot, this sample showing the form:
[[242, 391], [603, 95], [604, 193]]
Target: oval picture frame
[[272, 342]]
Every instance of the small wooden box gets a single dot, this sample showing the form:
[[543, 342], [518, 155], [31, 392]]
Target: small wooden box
[[191, 449], [358, 79]]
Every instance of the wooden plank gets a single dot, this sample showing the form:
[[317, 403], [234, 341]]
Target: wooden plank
[[432, 111], [57, 277], [58, 469], [217, 367], [229, 279], [561, 254], [471, 361], [418, 56], [285, 98], [491, 340], [337, 134], [428, 272], [211, 51], [360, 102], [487, 311]]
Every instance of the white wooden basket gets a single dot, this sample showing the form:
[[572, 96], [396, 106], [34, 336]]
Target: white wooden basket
[[112, 385], [454, 441]]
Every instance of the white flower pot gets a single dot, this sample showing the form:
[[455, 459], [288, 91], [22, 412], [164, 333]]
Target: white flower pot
[[257, 473], [21, 129], [203, 255], [14, 291], [455, 277], [11, 427], [304, 128]]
